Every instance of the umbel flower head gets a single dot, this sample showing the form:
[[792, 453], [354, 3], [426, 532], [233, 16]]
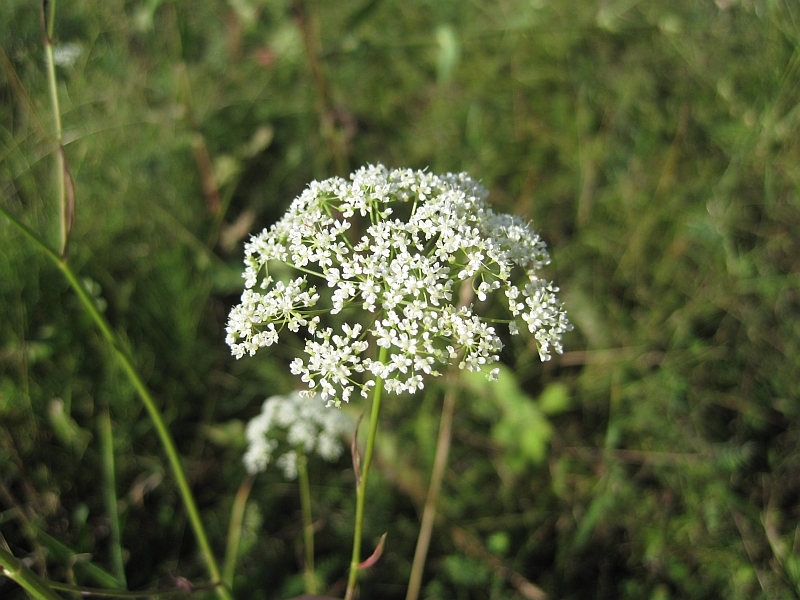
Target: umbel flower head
[[314, 431], [392, 251]]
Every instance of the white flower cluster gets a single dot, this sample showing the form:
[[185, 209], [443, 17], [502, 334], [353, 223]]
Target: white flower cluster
[[395, 246], [314, 430]]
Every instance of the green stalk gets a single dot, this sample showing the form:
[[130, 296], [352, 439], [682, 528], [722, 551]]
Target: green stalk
[[104, 593], [51, 19], [53, 87], [308, 523], [14, 568], [147, 399], [235, 530], [110, 495], [362, 484]]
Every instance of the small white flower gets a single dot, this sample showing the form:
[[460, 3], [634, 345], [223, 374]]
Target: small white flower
[[392, 280], [288, 464], [67, 54], [305, 426]]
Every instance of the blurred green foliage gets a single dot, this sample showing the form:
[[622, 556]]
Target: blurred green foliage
[[655, 146]]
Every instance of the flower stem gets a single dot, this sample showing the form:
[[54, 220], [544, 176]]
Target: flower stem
[[66, 207], [235, 530], [439, 464], [308, 523], [362, 484], [429, 512], [147, 399]]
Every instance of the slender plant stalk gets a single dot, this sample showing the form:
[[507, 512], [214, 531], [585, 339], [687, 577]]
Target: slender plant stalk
[[308, 20], [66, 215], [466, 296], [429, 512], [104, 593], [15, 569], [362, 484], [64, 210], [147, 399], [308, 522], [110, 495], [235, 530], [38, 588]]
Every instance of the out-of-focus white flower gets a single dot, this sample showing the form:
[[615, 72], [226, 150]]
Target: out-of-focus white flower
[[305, 426], [389, 251], [66, 55]]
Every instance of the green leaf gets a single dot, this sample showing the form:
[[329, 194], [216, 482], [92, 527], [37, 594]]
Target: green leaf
[[597, 508], [522, 430], [449, 53], [499, 543], [555, 399], [226, 435]]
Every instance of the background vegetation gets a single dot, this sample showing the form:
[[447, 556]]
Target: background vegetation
[[654, 144]]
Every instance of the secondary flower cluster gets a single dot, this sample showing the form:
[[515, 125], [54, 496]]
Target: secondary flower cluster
[[307, 427], [390, 250]]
